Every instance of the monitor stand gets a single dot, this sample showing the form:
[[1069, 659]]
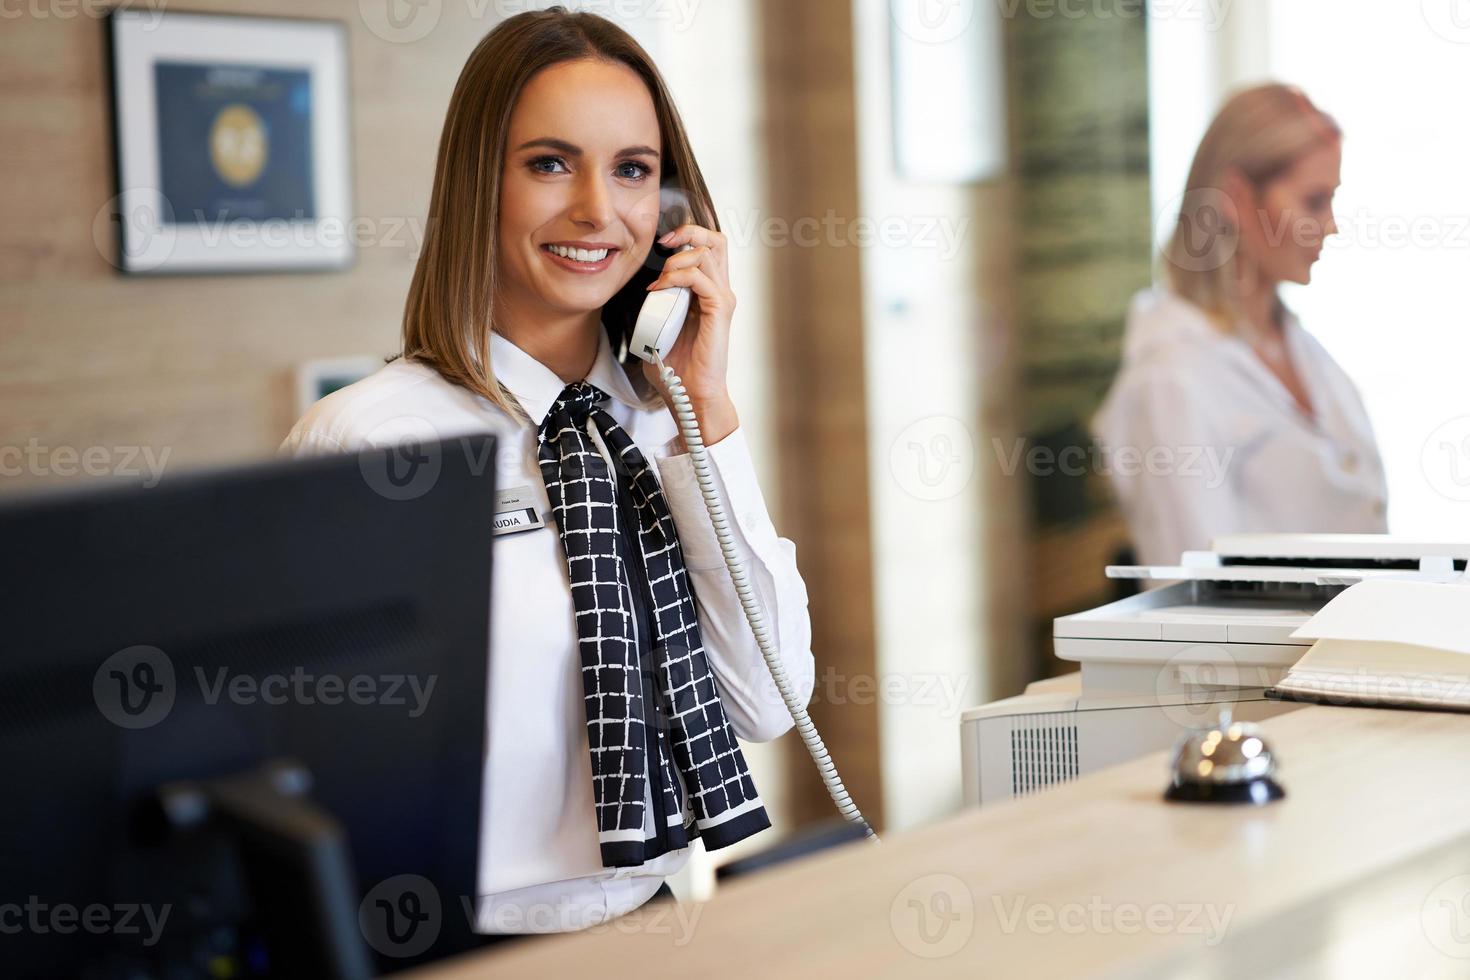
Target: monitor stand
[[301, 905]]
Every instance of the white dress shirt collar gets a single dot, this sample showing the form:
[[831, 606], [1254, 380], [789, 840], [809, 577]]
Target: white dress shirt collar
[[537, 387]]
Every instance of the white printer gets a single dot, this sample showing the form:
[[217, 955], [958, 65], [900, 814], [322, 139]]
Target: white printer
[[1157, 664]]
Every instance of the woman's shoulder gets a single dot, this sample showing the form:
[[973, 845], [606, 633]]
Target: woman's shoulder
[[1170, 346], [1163, 326], [403, 399], [1169, 366]]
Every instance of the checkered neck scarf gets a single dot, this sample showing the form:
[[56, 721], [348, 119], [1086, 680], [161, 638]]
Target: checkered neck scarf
[[655, 726]]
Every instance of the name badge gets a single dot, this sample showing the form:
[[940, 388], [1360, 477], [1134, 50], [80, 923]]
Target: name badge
[[515, 511]]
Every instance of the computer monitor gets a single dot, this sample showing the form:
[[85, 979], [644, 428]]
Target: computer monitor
[[242, 718]]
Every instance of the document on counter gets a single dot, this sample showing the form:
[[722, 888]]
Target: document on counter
[[1387, 643]]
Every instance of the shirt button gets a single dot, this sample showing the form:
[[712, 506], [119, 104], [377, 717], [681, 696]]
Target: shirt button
[[1349, 461]]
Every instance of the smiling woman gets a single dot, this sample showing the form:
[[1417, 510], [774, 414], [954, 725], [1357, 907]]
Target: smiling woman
[[506, 162], [556, 194], [622, 671]]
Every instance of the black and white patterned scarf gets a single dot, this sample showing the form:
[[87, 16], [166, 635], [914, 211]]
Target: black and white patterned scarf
[[654, 718]]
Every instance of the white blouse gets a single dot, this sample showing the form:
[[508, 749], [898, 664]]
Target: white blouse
[[1201, 439], [540, 868]]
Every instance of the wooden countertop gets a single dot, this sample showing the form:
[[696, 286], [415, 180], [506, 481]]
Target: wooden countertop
[[1363, 870]]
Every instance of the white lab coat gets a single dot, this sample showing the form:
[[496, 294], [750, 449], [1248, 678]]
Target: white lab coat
[[1200, 439]]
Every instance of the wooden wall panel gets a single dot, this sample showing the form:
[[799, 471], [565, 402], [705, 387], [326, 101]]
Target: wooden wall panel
[[817, 335], [198, 366]]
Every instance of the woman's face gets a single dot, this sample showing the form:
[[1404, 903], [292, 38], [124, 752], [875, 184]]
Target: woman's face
[[1293, 216], [579, 190]]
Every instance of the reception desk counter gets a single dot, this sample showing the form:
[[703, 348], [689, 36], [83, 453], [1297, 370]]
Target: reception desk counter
[[1363, 870]]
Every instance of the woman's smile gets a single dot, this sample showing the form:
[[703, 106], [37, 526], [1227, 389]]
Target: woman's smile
[[586, 258]]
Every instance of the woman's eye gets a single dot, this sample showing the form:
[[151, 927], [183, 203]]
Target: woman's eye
[[548, 165], [632, 170]]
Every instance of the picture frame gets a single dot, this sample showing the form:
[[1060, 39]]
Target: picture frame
[[231, 143]]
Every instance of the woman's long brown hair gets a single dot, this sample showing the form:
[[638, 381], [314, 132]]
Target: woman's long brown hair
[[450, 310]]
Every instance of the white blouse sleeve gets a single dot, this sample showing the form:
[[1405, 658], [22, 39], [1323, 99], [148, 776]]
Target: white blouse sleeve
[[748, 693], [303, 441]]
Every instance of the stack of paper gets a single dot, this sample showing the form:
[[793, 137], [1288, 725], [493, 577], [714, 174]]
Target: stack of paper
[[1387, 643]]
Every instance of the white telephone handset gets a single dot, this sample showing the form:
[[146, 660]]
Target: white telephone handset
[[658, 326], [659, 323]]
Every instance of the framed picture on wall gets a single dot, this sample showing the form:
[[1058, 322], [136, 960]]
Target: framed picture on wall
[[231, 143]]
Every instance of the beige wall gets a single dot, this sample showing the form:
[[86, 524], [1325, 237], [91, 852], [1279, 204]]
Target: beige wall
[[198, 367], [817, 330]]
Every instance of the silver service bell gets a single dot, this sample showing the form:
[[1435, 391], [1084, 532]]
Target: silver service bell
[[1230, 763]]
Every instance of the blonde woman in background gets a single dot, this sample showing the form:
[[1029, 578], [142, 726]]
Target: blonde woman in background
[[1226, 415]]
